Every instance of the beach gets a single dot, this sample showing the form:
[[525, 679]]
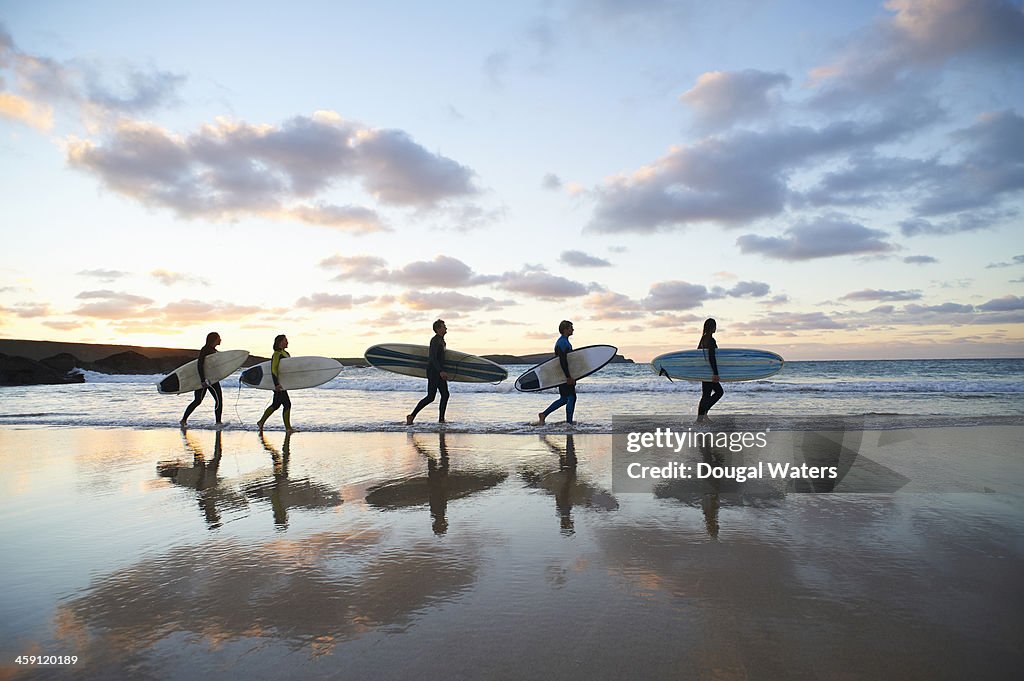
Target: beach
[[153, 553]]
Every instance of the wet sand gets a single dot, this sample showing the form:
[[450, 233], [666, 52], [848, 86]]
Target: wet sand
[[153, 555]]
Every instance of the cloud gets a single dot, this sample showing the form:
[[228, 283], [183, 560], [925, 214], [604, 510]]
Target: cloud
[[64, 325], [92, 89], [28, 310], [443, 270], [675, 295], [551, 182], [988, 169], [447, 301], [752, 289], [356, 219], [826, 237], [792, 321], [581, 259], [542, 285], [400, 172], [1005, 304], [227, 170], [731, 179], [39, 116], [924, 34], [723, 98], [331, 301], [185, 311], [882, 294], [107, 304], [612, 306], [1017, 260], [169, 278], [920, 260], [104, 275]]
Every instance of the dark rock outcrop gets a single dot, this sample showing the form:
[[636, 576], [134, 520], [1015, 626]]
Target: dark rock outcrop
[[131, 362], [24, 371]]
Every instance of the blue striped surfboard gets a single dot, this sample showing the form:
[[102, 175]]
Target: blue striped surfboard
[[411, 360], [734, 364]]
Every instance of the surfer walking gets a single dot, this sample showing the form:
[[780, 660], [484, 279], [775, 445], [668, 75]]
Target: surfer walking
[[437, 378], [566, 391], [281, 398], [212, 341], [711, 391]]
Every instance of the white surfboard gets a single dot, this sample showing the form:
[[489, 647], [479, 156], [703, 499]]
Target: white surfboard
[[582, 363], [411, 360], [294, 373], [216, 366]]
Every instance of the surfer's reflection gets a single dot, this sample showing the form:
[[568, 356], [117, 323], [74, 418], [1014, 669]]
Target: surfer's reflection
[[202, 476], [284, 493], [437, 482], [565, 486], [440, 485]]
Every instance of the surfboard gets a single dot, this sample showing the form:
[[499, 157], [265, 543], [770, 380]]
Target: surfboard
[[411, 360], [294, 373], [217, 367], [582, 362], [734, 364]]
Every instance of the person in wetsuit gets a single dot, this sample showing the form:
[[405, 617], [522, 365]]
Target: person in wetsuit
[[711, 391], [566, 391], [437, 378], [212, 341], [281, 398]]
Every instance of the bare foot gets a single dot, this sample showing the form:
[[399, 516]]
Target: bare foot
[[259, 425], [540, 418], [408, 419], [184, 424]]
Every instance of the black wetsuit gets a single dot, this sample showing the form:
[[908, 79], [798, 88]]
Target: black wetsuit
[[214, 388], [435, 384], [711, 391]]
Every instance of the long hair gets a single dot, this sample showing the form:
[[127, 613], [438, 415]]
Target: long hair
[[210, 336], [710, 325], [277, 341]]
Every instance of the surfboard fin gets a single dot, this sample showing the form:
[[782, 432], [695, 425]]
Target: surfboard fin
[[665, 374]]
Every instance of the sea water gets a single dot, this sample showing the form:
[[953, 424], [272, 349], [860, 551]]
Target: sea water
[[956, 392]]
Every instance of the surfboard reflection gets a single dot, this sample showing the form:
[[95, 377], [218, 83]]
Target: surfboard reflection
[[284, 493], [569, 491], [202, 475], [437, 488]]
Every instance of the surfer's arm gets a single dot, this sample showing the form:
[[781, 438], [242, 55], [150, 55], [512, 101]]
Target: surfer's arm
[[275, 367], [713, 363], [563, 361], [201, 365]]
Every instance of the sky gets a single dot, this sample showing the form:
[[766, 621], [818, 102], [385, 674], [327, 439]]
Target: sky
[[827, 180]]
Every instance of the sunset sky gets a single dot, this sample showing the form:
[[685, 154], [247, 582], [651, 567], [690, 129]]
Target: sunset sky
[[827, 180]]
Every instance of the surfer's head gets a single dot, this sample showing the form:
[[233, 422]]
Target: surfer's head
[[439, 326], [212, 338], [565, 327], [710, 326], [280, 342]]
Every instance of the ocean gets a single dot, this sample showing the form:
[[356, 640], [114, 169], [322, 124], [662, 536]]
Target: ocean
[[918, 392]]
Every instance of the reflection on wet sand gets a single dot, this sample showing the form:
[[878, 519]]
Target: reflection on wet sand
[[284, 493], [440, 485], [308, 594], [569, 491], [202, 476]]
